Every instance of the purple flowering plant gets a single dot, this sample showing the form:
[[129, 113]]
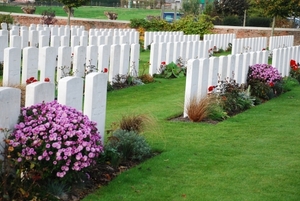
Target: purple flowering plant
[[265, 73], [265, 81], [54, 140]]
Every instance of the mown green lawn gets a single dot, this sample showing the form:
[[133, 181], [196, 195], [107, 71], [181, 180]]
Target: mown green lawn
[[93, 12], [251, 156]]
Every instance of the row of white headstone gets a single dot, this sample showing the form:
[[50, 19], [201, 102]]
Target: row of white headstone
[[167, 36], [43, 36], [220, 41], [176, 52], [63, 61], [70, 92], [205, 72], [61, 30], [244, 45]]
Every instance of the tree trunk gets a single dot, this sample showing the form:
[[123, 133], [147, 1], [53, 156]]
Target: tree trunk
[[69, 15], [245, 16], [273, 26]]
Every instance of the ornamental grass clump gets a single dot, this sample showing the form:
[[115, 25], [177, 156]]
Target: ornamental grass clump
[[54, 141], [265, 81]]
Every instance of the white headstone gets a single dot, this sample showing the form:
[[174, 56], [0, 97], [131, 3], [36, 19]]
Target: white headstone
[[39, 92], [29, 63], [70, 92], [79, 59], [11, 66], [63, 62], [95, 99]]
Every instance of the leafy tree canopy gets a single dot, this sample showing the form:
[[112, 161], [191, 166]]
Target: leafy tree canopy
[[231, 7], [73, 3], [190, 7], [282, 8]]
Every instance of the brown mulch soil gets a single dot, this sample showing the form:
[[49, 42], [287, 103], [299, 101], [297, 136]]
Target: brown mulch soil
[[186, 119], [100, 175]]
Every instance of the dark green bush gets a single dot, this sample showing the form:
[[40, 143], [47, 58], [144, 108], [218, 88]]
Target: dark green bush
[[7, 19], [259, 22], [128, 145], [232, 21]]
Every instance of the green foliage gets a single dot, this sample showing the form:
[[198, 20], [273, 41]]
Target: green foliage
[[289, 83], [48, 17], [231, 7], [159, 25], [190, 7], [6, 19], [137, 22], [235, 99], [260, 89], [201, 24], [273, 8], [216, 112], [171, 70], [259, 21], [294, 73], [190, 24], [232, 21], [73, 3], [129, 144], [57, 189]]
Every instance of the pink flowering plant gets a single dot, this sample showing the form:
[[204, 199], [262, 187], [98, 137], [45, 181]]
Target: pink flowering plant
[[54, 141], [265, 81]]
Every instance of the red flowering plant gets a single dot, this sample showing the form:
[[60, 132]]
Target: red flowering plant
[[265, 81], [54, 141], [295, 70]]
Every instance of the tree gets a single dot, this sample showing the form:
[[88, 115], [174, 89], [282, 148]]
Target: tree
[[69, 4], [231, 7], [281, 8], [191, 7]]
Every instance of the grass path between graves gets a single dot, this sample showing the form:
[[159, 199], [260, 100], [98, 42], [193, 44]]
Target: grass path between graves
[[252, 156]]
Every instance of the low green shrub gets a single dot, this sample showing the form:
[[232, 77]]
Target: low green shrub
[[170, 70], [231, 97], [216, 112], [129, 144], [289, 83]]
